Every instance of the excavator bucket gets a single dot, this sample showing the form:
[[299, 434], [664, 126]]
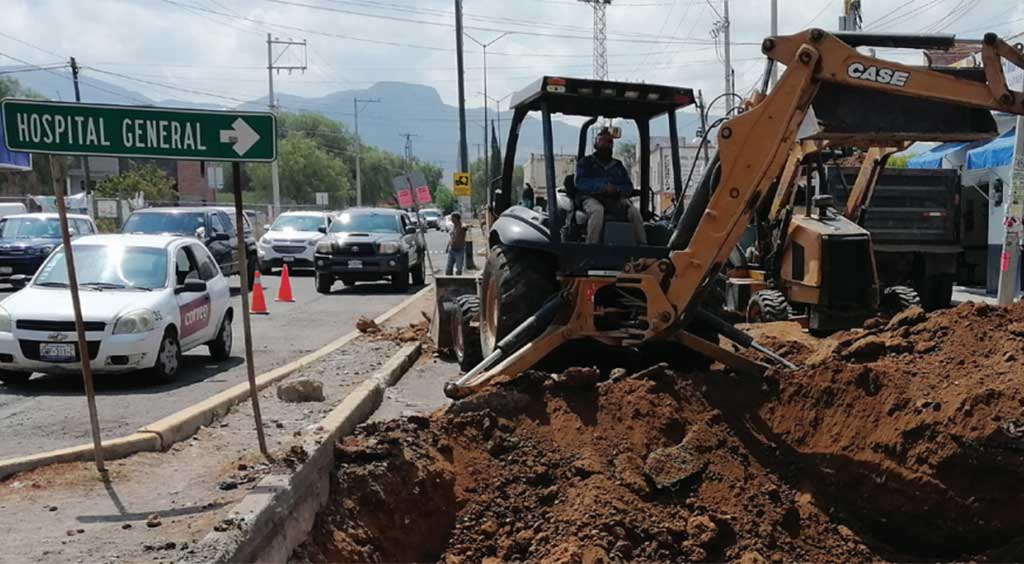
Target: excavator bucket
[[447, 289], [853, 115]]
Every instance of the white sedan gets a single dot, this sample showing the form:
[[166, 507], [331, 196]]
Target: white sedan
[[146, 299]]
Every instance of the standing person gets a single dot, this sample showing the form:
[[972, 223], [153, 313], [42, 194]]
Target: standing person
[[604, 183], [456, 246]]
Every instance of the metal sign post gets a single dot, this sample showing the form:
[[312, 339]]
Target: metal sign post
[[76, 305], [236, 181]]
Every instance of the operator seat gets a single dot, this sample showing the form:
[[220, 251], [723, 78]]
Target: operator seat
[[617, 229]]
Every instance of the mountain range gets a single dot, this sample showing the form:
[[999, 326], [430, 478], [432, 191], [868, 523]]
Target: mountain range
[[404, 108]]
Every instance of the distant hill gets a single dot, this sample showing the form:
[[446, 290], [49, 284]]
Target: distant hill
[[404, 108]]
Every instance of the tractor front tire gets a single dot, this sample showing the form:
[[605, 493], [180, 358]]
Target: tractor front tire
[[514, 285], [466, 334]]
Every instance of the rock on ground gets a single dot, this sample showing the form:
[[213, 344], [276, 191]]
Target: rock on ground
[[301, 390]]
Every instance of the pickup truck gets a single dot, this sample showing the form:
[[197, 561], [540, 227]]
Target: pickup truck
[[915, 223]]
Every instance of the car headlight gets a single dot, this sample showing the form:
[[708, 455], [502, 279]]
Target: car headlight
[[325, 247], [311, 243], [5, 321], [138, 321], [389, 248], [45, 250]]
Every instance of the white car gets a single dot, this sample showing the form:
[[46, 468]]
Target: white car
[[292, 240], [146, 299]]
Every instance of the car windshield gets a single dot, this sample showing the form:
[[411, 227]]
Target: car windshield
[[29, 228], [156, 223], [430, 214], [366, 223], [298, 223], [112, 266]]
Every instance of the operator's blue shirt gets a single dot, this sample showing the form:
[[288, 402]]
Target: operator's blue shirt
[[592, 176]]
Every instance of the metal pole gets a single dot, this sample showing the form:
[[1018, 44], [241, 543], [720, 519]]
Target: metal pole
[[78, 98], [359, 176], [274, 172], [76, 306], [236, 176], [774, 33], [463, 142], [729, 87]]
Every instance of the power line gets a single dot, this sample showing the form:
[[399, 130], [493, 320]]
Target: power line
[[167, 86]]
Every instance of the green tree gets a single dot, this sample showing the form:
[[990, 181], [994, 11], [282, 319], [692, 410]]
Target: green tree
[[305, 168], [147, 178], [625, 151], [897, 161], [40, 180], [445, 200]]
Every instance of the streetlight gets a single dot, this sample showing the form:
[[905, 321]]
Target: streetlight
[[486, 131], [497, 109]]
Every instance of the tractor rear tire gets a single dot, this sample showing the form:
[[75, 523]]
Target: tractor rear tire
[[466, 335], [767, 306], [514, 285], [898, 298]]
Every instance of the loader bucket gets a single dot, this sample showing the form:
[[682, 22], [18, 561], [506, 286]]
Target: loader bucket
[[854, 115], [447, 288]]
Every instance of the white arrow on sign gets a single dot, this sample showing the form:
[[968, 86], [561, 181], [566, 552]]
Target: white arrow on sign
[[241, 135]]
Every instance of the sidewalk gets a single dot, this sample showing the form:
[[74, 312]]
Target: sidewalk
[[64, 513]]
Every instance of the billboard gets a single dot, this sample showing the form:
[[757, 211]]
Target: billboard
[[12, 160]]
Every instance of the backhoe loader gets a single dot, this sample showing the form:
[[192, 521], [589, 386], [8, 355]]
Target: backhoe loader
[[658, 294]]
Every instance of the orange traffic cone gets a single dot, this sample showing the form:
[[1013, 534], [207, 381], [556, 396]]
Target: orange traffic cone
[[284, 293], [259, 303]]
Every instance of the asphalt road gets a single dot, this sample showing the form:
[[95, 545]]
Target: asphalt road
[[50, 411]]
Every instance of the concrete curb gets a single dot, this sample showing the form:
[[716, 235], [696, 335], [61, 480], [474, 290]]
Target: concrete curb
[[161, 434], [278, 514]]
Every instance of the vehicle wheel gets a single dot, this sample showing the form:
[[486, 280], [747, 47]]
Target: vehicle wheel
[[767, 306], [168, 358], [419, 274], [220, 346], [400, 281], [323, 283], [14, 378], [515, 284], [348, 281], [466, 335], [898, 298]]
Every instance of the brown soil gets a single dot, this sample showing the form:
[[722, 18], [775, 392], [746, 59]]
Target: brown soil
[[904, 442]]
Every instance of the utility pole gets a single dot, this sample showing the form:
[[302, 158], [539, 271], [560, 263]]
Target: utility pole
[[359, 147], [1009, 265], [408, 150], [78, 98], [852, 19], [484, 46], [272, 102], [721, 29], [600, 37], [775, 33], [463, 142]]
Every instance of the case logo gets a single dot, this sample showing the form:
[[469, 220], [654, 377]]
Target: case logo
[[881, 75]]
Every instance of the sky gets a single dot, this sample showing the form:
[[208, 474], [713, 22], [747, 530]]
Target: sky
[[215, 51]]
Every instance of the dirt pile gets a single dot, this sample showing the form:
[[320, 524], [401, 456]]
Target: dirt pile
[[898, 443], [410, 333]]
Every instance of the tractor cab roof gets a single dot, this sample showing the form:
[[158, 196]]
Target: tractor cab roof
[[593, 98]]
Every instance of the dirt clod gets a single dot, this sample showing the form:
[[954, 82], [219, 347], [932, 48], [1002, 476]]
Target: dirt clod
[[153, 521], [301, 390]]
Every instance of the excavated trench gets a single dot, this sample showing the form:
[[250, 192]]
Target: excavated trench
[[900, 442]]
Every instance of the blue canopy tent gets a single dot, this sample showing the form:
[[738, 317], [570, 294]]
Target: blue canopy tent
[[12, 160], [933, 158], [998, 152]]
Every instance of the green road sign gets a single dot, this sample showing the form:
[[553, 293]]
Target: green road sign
[[137, 131]]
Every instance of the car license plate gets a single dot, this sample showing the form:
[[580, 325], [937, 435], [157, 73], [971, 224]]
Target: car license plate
[[355, 264], [57, 352], [288, 259], [6, 269]]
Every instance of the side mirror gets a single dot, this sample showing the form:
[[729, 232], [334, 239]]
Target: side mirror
[[322, 229], [191, 287], [200, 233], [410, 229], [72, 232], [266, 228], [220, 237]]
